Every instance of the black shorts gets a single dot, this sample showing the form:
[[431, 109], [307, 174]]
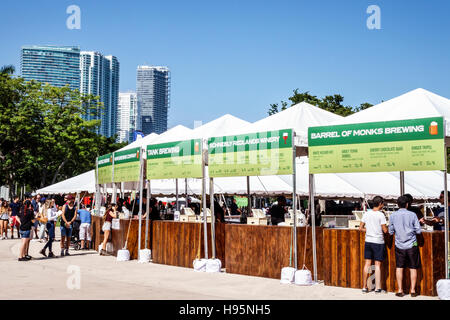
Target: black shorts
[[408, 258], [374, 251]]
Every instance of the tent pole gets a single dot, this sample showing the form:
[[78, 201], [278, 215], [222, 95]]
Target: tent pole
[[213, 229], [402, 183], [114, 193], [313, 222], [205, 224], [249, 197], [141, 184], [147, 208], [185, 193], [294, 199], [176, 195], [447, 275]]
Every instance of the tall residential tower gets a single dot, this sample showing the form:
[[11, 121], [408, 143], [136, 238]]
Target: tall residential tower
[[153, 93], [55, 65], [100, 77], [127, 117]]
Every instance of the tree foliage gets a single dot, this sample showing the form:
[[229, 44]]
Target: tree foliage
[[43, 137], [332, 103]]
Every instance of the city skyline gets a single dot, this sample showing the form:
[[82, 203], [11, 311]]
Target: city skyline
[[275, 48]]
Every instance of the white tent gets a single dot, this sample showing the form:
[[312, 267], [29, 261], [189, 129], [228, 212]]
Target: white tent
[[84, 182], [298, 117], [418, 103], [148, 139], [225, 125]]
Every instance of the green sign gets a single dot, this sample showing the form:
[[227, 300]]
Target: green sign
[[255, 154], [182, 159], [241, 201], [127, 165], [105, 168], [406, 145]]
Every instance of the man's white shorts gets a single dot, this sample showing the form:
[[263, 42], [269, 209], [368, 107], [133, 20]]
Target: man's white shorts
[[85, 231]]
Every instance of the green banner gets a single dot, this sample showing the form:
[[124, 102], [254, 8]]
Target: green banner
[[105, 168], [181, 159], [241, 201], [127, 165], [407, 145], [255, 154]]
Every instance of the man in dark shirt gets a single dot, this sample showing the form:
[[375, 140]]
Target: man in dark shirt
[[235, 211], [15, 208], [277, 211], [154, 211], [414, 209], [438, 221]]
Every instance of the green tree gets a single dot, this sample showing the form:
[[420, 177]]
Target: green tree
[[330, 103], [43, 137], [9, 69], [274, 107]]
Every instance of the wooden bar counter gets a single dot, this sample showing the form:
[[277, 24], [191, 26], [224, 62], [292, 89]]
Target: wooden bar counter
[[177, 243], [118, 237], [343, 261], [263, 251]]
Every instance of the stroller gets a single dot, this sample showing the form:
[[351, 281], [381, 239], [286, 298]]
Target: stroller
[[75, 238]]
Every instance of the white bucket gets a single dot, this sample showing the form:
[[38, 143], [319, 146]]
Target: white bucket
[[109, 247], [123, 255], [213, 265], [443, 289], [303, 278], [144, 255], [287, 275], [200, 265]]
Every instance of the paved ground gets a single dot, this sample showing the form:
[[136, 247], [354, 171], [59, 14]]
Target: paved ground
[[105, 278]]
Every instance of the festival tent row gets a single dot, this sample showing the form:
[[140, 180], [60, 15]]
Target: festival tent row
[[299, 117]]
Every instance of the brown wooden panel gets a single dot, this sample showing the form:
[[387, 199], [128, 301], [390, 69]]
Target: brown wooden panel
[[326, 254], [355, 263], [177, 243], [334, 258]]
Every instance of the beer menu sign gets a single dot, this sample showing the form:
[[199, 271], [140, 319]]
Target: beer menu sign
[[182, 159], [105, 164], [127, 165], [255, 154], [406, 145]]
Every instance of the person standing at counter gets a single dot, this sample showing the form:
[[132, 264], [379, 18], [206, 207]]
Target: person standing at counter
[[234, 210], [438, 221], [405, 225], [414, 209], [374, 224], [277, 211], [110, 214]]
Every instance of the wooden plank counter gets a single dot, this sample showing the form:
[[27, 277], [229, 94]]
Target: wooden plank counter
[[343, 261], [263, 251], [177, 243], [118, 237]]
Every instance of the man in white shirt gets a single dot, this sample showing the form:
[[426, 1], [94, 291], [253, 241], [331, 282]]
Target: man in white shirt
[[374, 224]]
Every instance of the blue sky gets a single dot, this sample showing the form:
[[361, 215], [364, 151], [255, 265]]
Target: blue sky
[[238, 57]]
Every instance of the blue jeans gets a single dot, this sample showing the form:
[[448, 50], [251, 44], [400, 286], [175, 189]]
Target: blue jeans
[[25, 234], [66, 232], [51, 235]]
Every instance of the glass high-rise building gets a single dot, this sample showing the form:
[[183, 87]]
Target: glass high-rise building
[[127, 117], [56, 65], [153, 94], [100, 77]]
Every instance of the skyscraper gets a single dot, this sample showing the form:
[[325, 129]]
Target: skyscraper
[[100, 77], [153, 92], [55, 65], [127, 117]]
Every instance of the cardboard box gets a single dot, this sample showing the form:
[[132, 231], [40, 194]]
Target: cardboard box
[[257, 221], [353, 224]]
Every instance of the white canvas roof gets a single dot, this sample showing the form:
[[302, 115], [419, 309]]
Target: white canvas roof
[[141, 142], [84, 182], [418, 103], [225, 125], [298, 117]]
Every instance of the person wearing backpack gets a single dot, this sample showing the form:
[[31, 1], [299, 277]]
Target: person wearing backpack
[[110, 214], [26, 220]]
